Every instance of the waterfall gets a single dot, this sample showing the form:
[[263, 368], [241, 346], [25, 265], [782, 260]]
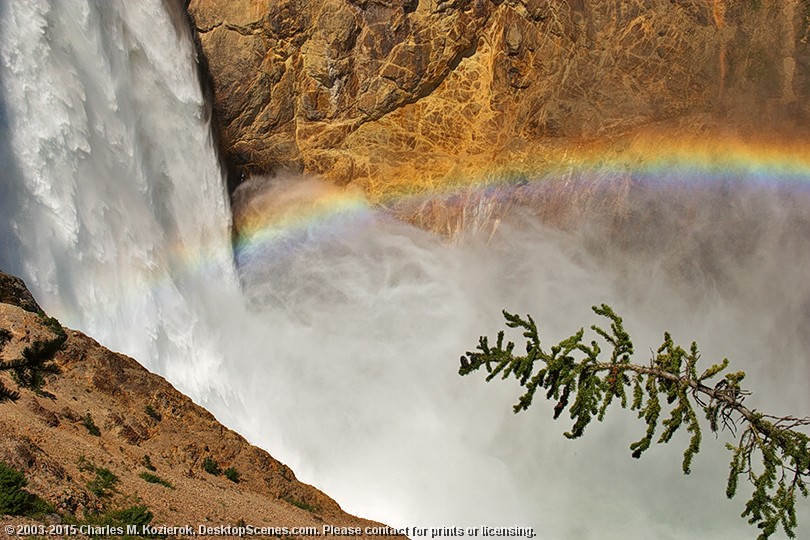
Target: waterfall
[[334, 344], [115, 211]]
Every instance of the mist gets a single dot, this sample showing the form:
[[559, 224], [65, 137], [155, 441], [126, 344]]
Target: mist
[[330, 333], [370, 315]]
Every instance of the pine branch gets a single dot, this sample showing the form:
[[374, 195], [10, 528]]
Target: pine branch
[[7, 394], [572, 375], [35, 362]]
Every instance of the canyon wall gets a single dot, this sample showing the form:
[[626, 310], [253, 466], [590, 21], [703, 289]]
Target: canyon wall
[[383, 92]]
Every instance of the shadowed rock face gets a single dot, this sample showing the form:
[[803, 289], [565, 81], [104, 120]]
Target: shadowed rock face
[[13, 291], [375, 90]]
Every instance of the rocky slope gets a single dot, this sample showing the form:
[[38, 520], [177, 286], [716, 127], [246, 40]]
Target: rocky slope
[[385, 93], [137, 414]]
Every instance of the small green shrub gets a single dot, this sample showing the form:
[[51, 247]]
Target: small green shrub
[[211, 466], [91, 426], [155, 479], [147, 463], [232, 474], [85, 464], [134, 515], [14, 500], [300, 504], [138, 516], [104, 481], [152, 413]]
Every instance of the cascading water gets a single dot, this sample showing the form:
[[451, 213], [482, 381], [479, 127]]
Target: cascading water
[[115, 210], [339, 356]]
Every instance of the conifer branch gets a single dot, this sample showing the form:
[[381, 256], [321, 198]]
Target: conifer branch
[[572, 375], [34, 363]]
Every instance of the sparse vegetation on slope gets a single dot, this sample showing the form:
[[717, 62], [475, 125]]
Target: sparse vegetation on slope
[[155, 479], [103, 480], [211, 466], [34, 363], [97, 480], [232, 474], [14, 500]]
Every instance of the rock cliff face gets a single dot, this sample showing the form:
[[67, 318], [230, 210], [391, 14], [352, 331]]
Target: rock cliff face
[[13, 291], [144, 426], [384, 91]]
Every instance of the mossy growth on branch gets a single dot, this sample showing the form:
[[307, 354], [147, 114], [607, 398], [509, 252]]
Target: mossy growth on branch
[[582, 379]]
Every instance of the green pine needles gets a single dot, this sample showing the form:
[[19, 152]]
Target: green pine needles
[[771, 453], [35, 362], [14, 500]]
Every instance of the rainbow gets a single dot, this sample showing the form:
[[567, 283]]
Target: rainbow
[[649, 159], [318, 213], [285, 219]]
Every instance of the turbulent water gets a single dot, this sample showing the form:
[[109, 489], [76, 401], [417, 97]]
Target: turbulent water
[[113, 205], [335, 343]]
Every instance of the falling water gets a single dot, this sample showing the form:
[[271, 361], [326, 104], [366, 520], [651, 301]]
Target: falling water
[[334, 344], [113, 204]]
